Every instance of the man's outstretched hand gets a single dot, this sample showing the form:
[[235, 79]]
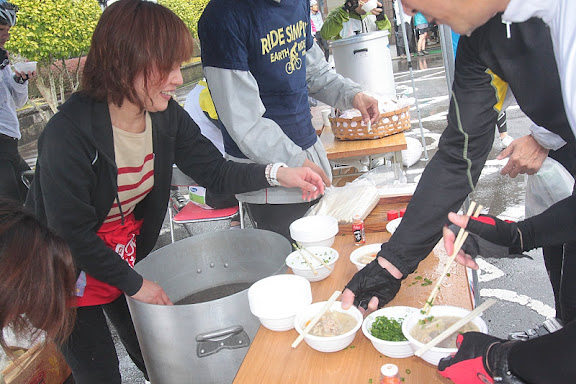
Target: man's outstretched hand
[[371, 288]]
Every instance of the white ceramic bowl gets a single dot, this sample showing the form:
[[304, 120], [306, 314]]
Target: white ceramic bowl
[[394, 349], [434, 355], [365, 250], [327, 344], [313, 231], [300, 268], [276, 300], [25, 67]]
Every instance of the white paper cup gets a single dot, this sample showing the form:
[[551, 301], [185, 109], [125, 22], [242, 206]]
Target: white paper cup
[[325, 115], [370, 5]]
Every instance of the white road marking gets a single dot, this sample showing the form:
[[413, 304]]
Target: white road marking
[[488, 271], [513, 297]]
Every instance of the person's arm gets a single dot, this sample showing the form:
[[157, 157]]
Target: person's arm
[[196, 156], [448, 178], [331, 88], [18, 91], [240, 109], [68, 180], [543, 360], [382, 22], [545, 138], [235, 91], [333, 24], [325, 84]]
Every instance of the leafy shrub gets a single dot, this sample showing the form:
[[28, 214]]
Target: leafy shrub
[[52, 32]]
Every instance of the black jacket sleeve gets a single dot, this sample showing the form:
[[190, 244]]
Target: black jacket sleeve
[[196, 156], [486, 63], [63, 196]]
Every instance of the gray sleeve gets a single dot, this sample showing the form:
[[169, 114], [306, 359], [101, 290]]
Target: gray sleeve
[[19, 92], [325, 84], [545, 138], [237, 100]]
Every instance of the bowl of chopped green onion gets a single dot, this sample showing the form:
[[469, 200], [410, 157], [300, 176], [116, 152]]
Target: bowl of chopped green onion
[[384, 329]]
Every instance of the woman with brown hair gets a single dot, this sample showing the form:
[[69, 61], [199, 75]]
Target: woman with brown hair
[[104, 168], [36, 277]]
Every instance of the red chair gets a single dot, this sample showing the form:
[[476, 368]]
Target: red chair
[[192, 213]]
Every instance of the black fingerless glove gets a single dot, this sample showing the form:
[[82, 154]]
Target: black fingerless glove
[[373, 280], [20, 79], [350, 5], [480, 358], [491, 228], [477, 246], [4, 61]]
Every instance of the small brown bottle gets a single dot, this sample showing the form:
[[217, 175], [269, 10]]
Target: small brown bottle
[[358, 230]]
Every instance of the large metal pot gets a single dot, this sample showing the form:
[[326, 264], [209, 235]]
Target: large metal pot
[[204, 338], [365, 59]]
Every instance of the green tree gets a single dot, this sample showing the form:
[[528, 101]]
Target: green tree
[[52, 32], [188, 10]]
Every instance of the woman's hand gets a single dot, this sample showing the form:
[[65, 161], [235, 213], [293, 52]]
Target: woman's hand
[[304, 178], [152, 293], [316, 168]]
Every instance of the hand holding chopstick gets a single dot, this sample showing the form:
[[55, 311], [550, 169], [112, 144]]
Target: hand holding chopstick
[[315, 319], [460, 239]]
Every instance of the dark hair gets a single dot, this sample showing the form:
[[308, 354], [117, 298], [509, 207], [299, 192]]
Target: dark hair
[[37, 277], [133, 37]]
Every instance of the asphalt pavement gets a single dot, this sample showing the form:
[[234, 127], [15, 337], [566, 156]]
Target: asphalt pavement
[[520, 285]]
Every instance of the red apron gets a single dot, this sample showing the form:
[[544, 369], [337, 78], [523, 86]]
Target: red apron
[[120, 238]]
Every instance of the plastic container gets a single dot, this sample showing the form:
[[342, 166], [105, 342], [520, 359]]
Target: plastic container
[[311, 231], [394, 349], [370, 52], [389, 374], [358, 254], [435, 354], [330, 343], [358, 230], [276, 300], [296, 261]]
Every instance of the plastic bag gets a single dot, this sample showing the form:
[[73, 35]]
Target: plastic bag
[[548, 186], [343, 203], [390, 179]]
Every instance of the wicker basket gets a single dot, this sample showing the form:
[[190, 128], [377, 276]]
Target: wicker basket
[[355, 129]]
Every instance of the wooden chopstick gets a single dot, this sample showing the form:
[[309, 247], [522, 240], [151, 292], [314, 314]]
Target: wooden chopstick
[[314, 271], [458, 243], [315, 319], [456, 326], [314, 256]]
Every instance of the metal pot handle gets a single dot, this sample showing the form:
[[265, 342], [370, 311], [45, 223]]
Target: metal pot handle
[[360, 50], [211, 342]]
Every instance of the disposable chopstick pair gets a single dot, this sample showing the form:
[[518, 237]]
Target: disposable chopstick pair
[[314, 271], [315, 319], [456, 326], [458, 243], [314, 256]]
